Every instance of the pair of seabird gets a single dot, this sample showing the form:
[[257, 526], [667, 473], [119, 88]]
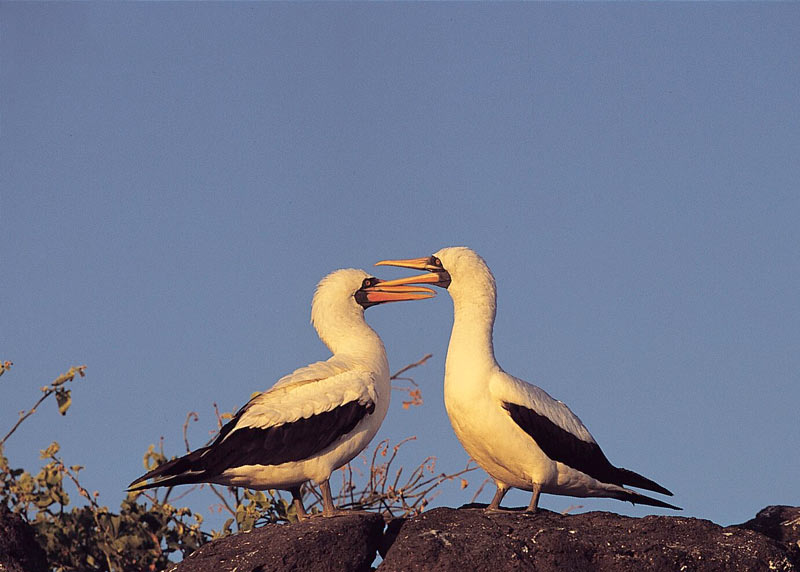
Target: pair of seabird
[[321, 416]]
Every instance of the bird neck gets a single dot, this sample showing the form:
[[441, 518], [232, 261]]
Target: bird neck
[[348, 334], [471, 350]]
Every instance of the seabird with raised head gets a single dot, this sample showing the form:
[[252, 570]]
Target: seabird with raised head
[[314, 420], [514, 430]]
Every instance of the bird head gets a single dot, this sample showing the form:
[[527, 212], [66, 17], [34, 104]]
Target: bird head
[[352, 287], [455, 268]]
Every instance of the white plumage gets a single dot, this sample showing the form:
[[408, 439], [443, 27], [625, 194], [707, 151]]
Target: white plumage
[[315, 419], [514, 430]]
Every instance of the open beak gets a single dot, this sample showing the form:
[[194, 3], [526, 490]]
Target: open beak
[[396, 291], [436, 275]]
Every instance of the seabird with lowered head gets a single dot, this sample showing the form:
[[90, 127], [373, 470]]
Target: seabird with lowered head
[[514, 430], [314, 420]]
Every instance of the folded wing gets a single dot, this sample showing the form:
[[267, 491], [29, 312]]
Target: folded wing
[[301, 416], [563, 437]]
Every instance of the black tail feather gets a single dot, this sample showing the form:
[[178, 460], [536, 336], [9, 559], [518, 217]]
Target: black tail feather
[[637, 498], [181, 471], [627, 477]]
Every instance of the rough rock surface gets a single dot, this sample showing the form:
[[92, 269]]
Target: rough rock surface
[[781, 523], [346, 543], [19, 550], [470, 539]]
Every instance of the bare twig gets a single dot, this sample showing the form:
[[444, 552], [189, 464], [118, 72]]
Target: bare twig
[[191, 416], [23, 416], [221, 417], [485, 482], [400, 496], [402, 370], [221, 497], [413, 392], [184, 492]]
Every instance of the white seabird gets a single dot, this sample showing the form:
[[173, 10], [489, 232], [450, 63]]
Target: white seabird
[[514, 430], [314, 420]]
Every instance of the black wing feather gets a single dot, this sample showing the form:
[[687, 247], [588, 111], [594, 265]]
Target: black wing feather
[[279, 444], [564, 447], [274, 445]]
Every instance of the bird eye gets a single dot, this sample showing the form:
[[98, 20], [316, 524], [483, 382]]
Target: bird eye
[[436, 262], [367, 283]]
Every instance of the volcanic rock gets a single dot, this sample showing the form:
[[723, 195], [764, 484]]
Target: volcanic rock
[[19, 549], [346, 543], [470, 539]]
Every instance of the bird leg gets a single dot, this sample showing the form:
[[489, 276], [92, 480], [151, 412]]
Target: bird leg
[[498, 496], [297, 499], [328, 508], [534, 504]]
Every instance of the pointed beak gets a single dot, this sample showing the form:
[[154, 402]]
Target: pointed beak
[[396, 291], [415, 263], [436, 276]]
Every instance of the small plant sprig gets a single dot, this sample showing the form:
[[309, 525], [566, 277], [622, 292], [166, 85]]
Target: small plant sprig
[[413, 390], [56, 387], [385, 490]]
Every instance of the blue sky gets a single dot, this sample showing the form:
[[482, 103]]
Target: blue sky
[[176, 178]]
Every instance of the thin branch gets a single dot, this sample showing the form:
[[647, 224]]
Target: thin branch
[[48, 390], [23, 416], [184, 492], [191, 416], [411, 366], [390, 497], [224, 502], [485, 482]]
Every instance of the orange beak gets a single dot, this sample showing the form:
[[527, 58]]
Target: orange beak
[[396, 291], [436, 276]]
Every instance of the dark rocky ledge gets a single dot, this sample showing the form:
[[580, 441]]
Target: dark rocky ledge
[[468, 539], [19, 550], [347, 542]]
